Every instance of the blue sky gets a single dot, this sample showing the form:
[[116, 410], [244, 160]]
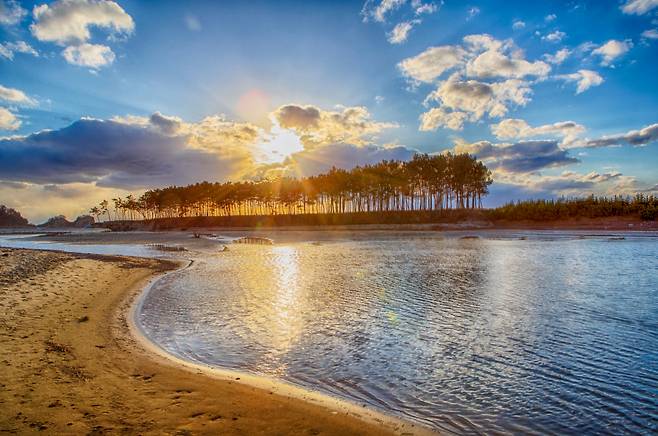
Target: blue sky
[[558, 98]]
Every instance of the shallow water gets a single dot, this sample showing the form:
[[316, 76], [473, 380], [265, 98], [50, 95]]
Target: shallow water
[[556, 333]]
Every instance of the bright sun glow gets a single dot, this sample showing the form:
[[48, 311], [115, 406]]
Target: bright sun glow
[[278, 145]]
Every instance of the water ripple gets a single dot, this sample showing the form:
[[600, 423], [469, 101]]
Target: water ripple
[[481, 336]]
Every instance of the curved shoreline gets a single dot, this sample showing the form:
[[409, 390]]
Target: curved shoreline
[[261, 382]]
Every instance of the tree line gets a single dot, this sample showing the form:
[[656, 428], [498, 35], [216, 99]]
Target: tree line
[[641, 205], [424, 183]]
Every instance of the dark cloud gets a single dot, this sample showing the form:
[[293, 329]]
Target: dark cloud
[[347, 156], [521, 157], [112, 154], [636, 138], [168, 125], [303, 117]]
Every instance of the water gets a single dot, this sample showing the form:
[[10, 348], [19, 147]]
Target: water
[[36, 242], [552, 334], [556, 333]]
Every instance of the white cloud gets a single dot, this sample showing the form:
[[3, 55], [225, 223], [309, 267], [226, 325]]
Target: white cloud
[[494, 63], [400, 32], [8, 49], [500, 70], [612, 50], [472, 12], [316, 127], [650, 34], [8, 121], [432, 63], [477, 99], [585, 79], [11, 12], [440, 117], [559, 56], [482, 55], [572, 183], [93, 56], [550, 17], [638, 7], [378, 10], [518, 128], [16, 96], [555, 36], [518, 24], [421, 8], [69, 21]]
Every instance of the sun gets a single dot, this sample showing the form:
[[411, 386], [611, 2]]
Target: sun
[[277, 145]]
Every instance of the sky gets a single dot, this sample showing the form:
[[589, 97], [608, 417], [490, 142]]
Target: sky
[[101, 98]]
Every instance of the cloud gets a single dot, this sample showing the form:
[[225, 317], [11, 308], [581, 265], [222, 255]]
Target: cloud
[[498, 66], [612, 50], [550, 18], [518, 25], [440, 117], [378, 10], [478, 99], [494, 63], [114, 154], [8, 49], [482, 56], [400, 32], [15, 96], [650, 34], [69, 21], [432, 63], [517, 128], [317, 127], [472, 12], [214, 133], [93, 56], [8, 120], [40, 202], [585, 79], [421, 8], [510, 186], [520, 157], [11, 12], [638, 7], [635, 138], [572, 183], [559, 56], [555, 36], [321, 159]]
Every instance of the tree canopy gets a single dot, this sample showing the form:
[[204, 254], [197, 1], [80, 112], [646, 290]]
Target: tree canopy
[[425, 183]]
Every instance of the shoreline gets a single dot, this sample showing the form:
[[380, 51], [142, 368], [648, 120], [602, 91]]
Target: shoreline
[[76, 363], [262, 382], [626, 224]]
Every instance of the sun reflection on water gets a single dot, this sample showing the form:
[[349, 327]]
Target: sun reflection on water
[[280, 309]]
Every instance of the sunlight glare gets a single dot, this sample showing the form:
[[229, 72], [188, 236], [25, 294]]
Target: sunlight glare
[[279, 144]]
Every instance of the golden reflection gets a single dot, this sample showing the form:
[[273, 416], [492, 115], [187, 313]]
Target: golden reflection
[[277, 309]]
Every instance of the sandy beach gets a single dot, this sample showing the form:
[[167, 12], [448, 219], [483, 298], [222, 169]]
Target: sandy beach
[[72, 365]]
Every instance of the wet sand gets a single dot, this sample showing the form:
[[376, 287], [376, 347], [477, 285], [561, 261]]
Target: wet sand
[[72, 365]]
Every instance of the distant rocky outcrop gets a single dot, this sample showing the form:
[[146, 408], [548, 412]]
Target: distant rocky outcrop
[[84, 221], [60, 221], [11, 218], [57, 221]]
